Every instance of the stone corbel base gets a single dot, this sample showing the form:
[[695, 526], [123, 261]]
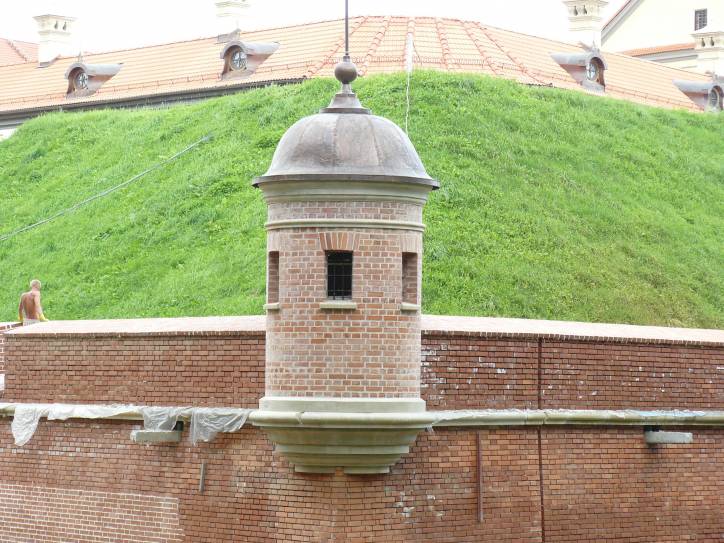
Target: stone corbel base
[[360, 436]]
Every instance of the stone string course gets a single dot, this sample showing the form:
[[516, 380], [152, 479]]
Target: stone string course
[[549, 484]]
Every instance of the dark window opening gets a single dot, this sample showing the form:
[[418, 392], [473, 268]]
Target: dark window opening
[[715, 99], [409, 278], [272, 286], [699, 19], [594, 71], [238, 59], [339, 275]]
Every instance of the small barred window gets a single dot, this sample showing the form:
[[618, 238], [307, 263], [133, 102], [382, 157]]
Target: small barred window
[[339, 275], [700, 19]]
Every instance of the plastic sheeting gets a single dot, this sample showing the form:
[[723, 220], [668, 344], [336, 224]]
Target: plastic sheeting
[[206, 422], [25, 423]]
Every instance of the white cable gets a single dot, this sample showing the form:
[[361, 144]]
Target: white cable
[[409, 47], [14, 233]]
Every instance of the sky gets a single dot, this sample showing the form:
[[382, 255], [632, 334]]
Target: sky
[[104, 25]]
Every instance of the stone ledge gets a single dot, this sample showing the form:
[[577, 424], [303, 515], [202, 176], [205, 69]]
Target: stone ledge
[[432, 325], [338, 304], [568, 330], [183, 326]]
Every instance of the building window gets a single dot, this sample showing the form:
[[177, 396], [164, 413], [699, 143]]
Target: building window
[[81, 80], [236, 62], [594, 71], [699, 19], [339, 275], [238, 59], [715, 99], [272, 270], [409, 278]]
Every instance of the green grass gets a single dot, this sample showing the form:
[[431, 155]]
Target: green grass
[[553, 204]]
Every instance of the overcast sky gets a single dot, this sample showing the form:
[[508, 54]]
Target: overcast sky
[[105, 25]]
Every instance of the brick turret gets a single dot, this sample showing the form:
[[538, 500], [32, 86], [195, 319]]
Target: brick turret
[[345, 193]]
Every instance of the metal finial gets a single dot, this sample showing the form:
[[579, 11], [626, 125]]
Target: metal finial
[[346, 71], [345, 101], [346, 28]]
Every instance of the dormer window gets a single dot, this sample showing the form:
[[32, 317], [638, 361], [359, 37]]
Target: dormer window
[[715, 99], [80, 80], [594, 71], [85, 79], [708, 96], [700, 19], [586, 68], [238, 59], [241, 59]]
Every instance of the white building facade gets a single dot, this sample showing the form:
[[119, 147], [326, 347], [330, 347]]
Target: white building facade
[[686, 34]]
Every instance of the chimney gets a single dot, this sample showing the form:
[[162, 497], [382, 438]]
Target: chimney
[[709, 46], [55, 38], [585, 20], [228, 14]]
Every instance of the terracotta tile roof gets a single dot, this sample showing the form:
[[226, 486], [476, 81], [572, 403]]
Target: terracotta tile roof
[[17, 52], [659, 49], [311, 50]]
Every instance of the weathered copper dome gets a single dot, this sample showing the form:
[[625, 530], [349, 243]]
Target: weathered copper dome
[[345, 142]]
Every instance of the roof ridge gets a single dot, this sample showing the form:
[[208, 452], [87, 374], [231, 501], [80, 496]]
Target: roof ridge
[[319, 65], [481, 50], [14, 48], [507, 53], [618, 12], [444, 43], [375, 45], [659, 48]]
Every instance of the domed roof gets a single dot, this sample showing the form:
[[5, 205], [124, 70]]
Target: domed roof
[[344, 142]]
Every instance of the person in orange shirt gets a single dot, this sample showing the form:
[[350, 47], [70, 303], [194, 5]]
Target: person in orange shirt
[[29, 309]]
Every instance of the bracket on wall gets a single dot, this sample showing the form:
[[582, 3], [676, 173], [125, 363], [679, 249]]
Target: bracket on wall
[[654, 436]]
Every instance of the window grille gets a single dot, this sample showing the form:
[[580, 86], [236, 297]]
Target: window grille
[[699, 19], [339, 275]]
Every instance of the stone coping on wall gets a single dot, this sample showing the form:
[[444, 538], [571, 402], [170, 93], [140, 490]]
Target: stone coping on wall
[[431, 325], [182, 326], [568, 330]]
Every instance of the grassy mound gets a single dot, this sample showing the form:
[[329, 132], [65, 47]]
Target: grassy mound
[[554, 204]]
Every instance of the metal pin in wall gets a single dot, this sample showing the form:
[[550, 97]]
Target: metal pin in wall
[[479, 451], [202, 476]]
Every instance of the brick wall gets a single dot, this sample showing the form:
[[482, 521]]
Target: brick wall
[[471, 371], [596, 484], [4, 326], [576, 484], [217, 370], [370, 352]]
